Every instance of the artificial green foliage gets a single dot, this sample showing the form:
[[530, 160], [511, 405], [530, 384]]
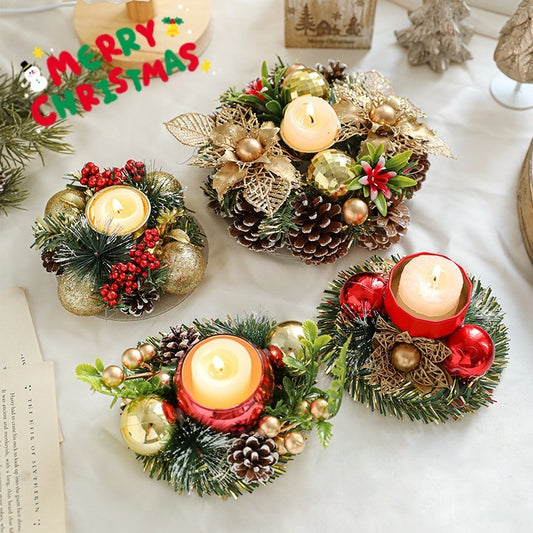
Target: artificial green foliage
[[188, 224], [280, 223], [452, 403], [228, 201], [11, 192], [195, 458], [273, 98]]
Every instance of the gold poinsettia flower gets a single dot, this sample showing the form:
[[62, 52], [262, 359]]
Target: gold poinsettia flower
[[397, 359], [368, 106], [246, 153]]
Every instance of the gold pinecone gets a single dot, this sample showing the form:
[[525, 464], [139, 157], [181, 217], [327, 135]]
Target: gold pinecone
[[251, 457], [382, 232], [245, 228], [319, 236]]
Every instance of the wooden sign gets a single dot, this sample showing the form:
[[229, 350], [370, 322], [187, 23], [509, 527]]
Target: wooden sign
[[329, 23], [525, 201]]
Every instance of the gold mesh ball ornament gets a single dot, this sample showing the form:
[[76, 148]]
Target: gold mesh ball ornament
[[144, 426], [305, 82], [329, 171]]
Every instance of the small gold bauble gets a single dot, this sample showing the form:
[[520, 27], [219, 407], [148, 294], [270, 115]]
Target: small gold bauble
[[285, 336], [383, 114], [354, 211], [132, 358], [144, 426], [405, 357], [280, 445], [167, 182], [113, 376], [269, 426], [68, 202], [248, 149], [303, 407], [164, 378], [78, 296], [319, 409], [306, 81], [186, 267], [148, 351], [294, 442], [293, 68], [329, 171]]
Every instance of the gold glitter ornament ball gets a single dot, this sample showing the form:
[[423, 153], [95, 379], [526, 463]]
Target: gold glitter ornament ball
[[78, 296], [383, 114], [144, 426], [186, 267], [405, 357], [306, 81], [166, 181], [285, 336], [354, 211], [329, 172], [68, 202], [248, 149]]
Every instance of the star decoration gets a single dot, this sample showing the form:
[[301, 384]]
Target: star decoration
[[206, 65], [38, 52], [426, 374]]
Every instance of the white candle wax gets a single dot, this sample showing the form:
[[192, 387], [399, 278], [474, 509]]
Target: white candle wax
[[310, 124], [222, 372], [431, 285]]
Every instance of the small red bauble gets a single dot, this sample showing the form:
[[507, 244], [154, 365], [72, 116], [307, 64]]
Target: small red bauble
[[276, 356], [472, 352], [363, 294]]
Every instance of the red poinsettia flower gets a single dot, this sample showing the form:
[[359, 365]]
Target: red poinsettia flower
[[376, 179], [254, 88]]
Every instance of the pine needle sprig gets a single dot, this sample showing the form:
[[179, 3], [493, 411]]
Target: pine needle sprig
[[188, 224], [86, 252], [253, 327], [228, 201], [281, 223], [51, 231], [11, 192]]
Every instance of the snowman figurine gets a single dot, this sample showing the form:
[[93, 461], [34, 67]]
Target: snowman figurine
[[33, 78]]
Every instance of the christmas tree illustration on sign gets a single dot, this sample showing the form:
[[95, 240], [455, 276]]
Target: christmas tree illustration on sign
[[329, 24]]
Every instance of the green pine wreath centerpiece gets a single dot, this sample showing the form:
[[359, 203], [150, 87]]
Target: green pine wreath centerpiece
[[312, 160], [426, 341], [119, 240], [220, 407]]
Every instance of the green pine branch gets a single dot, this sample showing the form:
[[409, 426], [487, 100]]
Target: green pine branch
[[11, 192]]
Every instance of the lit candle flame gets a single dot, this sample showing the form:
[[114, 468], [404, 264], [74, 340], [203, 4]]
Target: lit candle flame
[[218, 363], [117, 206], [435, 275], [310, 112]]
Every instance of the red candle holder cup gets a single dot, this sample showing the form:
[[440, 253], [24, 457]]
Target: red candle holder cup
[[238, 418], [424, 327]]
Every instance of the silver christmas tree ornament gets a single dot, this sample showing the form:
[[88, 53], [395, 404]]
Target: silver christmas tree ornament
[[437, 35]]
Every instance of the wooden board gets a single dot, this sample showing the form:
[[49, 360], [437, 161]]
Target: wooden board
[[329, 23], [90, 21], [525, 201]]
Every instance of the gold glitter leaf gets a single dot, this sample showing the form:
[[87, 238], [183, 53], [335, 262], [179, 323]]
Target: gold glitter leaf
[[192, 129], [266, 191], [281, 166], [228, 177]]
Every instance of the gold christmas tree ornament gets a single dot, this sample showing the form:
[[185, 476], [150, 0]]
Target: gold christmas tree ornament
[[286, 336], [306, 82], [68, 202], [112, 376], [148, 351], [78, 295], [132, 358], [330, 170], [144, 426], [354, 211], [294, 442], [186, 267]]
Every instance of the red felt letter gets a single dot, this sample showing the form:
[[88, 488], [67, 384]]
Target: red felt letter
[[43, 120], [154, 71], [184, 53], [61, 63], [106, 45], [86, 96], [148, 32], [113, 77]]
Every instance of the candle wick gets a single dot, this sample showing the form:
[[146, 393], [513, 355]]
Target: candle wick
[[312, 119]]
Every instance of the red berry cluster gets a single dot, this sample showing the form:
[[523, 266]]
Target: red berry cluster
[[136, 170], [125, 278], [94, 179]]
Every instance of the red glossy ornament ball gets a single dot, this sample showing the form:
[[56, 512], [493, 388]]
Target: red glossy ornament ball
[[472, 352], [363, 294], [276, 356]]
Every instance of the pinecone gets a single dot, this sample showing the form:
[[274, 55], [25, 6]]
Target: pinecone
[[49, 261], [334, 70], [139, 303], [245, 228], [420, 171], [175, 344], [319, 236], [382, 232], [3, 182], [252, 457]]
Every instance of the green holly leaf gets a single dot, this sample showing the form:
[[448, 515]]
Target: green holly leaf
[[310, 330], [324, 430], [401, 181], [381, 203], [396, 163]]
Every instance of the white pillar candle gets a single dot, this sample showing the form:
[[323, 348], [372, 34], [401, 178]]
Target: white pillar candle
[[309, 124], [119, 209], [222, 371], [430, 286]]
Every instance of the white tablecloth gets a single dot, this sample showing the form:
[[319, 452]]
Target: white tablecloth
[[379, 474]]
